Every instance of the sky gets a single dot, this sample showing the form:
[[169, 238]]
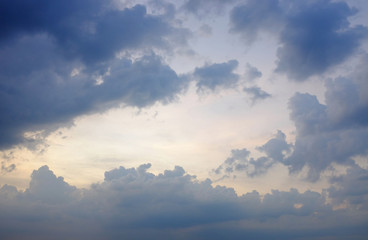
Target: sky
[[186, 119]]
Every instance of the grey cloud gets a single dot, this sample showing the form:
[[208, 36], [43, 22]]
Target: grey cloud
[[277, 147], [7, 168], [133, 203], [217, 75], [331, 133], [315, 35], [307, 113], [351, 187], [252, 73], [201, 8], [326, 134], [240, 161], [88, 30], [58, 61], [45, 94], [256, 93], [254, 16]]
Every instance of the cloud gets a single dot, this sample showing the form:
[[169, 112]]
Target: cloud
[[7, 168], [92, 31], [317, 37], [254, 16], [326, 134], [351, 187], [50, 92], [133, 203], [241, 161], [58, 61], [256, 94], [314, 36], [252, 73], [330, 133], [217, 75], [201, 8]]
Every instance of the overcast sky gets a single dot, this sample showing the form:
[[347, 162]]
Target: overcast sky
[[187, 119]]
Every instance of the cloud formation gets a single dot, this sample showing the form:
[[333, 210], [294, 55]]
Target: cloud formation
[[200, 8], [256, 93], [217, 75], [59, 60], [133, 203], [326, 134], [315, 35]]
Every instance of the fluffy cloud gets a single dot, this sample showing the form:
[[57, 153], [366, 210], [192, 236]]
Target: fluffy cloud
[[241, 161], [58, 61], [326, 134], [51, 91], [217, 75], [314, 35], [134, 203]]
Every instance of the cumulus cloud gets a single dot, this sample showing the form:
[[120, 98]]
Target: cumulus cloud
[[326, 134], [240, 160], [51, 91], [58, 61], [133, 203], [351, 187], [334, 132], [217, 75], [314, 35]]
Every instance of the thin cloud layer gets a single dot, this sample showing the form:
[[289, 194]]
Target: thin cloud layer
[[133, 203], [314, 36]]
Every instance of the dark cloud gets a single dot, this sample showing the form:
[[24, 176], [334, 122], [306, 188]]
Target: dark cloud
[[315, 35], [88, 30], [57, 61], [133, 203], [334, 132], [217, 75], [256, 93], [49, 92], [351, 187], [254, 16], [201, 8]]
